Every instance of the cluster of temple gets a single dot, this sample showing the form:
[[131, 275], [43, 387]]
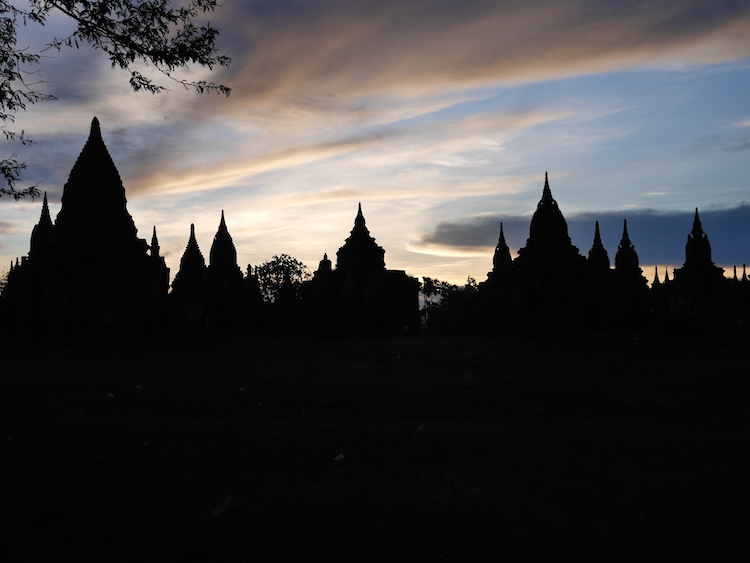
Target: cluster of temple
[[89, 270], [550, 281]]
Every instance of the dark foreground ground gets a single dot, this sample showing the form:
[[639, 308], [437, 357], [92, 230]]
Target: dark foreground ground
[[591, 448]]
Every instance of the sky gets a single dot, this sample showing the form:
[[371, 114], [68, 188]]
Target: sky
[[440, 116]]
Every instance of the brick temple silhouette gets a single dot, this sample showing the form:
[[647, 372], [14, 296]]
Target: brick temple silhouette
[[550, 281], [88, 270]]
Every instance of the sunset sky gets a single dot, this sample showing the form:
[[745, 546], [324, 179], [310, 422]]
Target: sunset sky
[[440, 117]]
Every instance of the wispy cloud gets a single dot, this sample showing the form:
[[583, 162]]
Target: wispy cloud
[[294, 54]]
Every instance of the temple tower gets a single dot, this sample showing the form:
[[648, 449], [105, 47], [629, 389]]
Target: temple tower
[[360, 253], [90, 270], [628, 274], [598, 258], [548, 246], [699, 273]]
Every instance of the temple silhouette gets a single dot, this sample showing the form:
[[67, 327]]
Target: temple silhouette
[[360, 294], [551, 282], [88, 270]]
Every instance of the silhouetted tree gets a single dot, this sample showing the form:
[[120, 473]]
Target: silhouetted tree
[[278, 273], [428, 291], [154, 32]]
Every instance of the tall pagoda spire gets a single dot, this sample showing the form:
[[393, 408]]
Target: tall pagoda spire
[[154, 245], [360, 251], [359, 220], [549, 244], [656, 282], [223, 252], [699, 271], [93, 215], [42, 231], [698, 249], [626, 257], [192, 267], [598, 257], [501, 260], [628, 273]]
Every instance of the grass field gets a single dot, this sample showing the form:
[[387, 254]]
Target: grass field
[[567, 447]]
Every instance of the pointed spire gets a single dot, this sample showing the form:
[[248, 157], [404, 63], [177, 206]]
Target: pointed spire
[[735, 274], [42, 231], [598, 257], [359, 220], [744, 273], [501, 260], [546, 191], [656, 276], [192, 267], [626, 258], [45, 211], [625, 236], [94, 207], [699, 269], [223, 254], [360, 251], [697, 227], [154, 245]]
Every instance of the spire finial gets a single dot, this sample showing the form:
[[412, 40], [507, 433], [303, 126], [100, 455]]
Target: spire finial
[[45, 217], [359, 221], [697, 227], [192, 230], [656, 276], [96, 131], [154, 244], [546, 192]]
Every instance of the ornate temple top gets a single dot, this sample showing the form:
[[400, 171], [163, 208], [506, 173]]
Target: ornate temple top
[[360, 251], [656, 281], [626, 257], [324, 266], [697, 248], [42, 231], [223, 253], [93, 212], [548, 244], [598, 257], [192, 266], [154, 245], [548, 225], [501, 260]]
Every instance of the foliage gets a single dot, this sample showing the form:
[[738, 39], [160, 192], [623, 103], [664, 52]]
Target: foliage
[[128, 31], [273, 274]]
